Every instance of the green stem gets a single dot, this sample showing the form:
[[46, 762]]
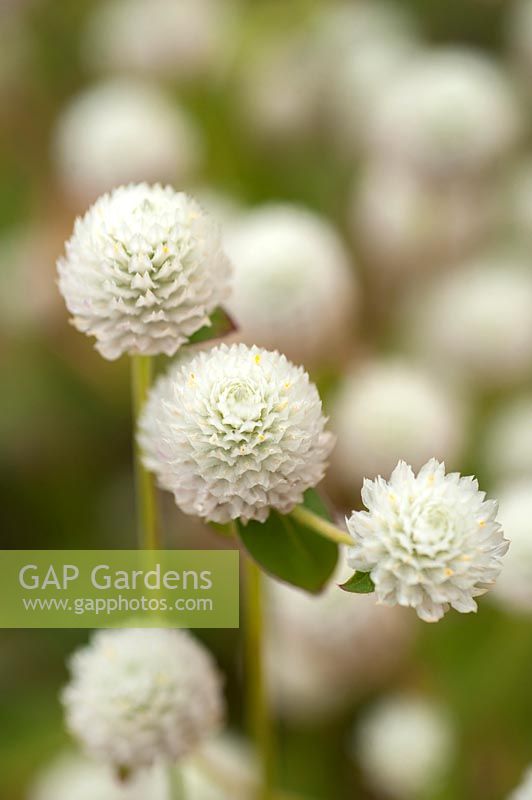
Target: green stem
[[259, 720], [141, 375], [320, 525], [176, 783]]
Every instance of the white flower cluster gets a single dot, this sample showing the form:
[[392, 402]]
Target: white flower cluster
[[429, 541], [143, 271], [475, 320], [524, 790], [293, 289], [123, 131], [404, 746], [389, 409], [450, 113], [235, 432], [329, 641], [513, 589], [174, 39], [138, 696]]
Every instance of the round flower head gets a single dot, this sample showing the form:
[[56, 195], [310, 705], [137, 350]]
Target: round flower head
[[388, 409], [177, 39], [404, 746], [514, 585], [449, 114], [329, 640], [143, 271], [73, 777], [405, 223], [476, 321], [429, 541], [122, 131], [136, 697], [508, 440], [294, 289], [524, 790], [235, 432]]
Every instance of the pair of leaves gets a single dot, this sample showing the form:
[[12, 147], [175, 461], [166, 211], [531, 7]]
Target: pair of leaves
[[290, 551]]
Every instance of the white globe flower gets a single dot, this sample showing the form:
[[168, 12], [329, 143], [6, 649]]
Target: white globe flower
[[177, 39], [235, 432], [143, 271], [429, 541], [404, 223], [513, 589], [451, 113], [73, 777], [136, 697], [524, 790], [122, 131], [294, 289], [508, 440], [388, 409], [476, 321], [405, 746], [329, 641]]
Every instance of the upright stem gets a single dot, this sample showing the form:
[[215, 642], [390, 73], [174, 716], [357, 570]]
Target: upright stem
[[176, 783], [320, 525], [141, 375], [259, 720]]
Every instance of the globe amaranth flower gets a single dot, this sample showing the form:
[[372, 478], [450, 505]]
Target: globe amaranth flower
[[475, 320], [181, 40], [449, 114], [235, 432], [391, 408], [429, 541], [143, 270], [329, 641], [513, 589], [294, 287], [136, 697], [524, 790], [74, 777], [122, 131], [405, 746]]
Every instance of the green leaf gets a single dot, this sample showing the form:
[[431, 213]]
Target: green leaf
[[290, 551], [220, 325], [313, 501], [359, 583]]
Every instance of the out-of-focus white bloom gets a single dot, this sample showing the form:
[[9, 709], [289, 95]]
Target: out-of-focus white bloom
[[405, 746], [280, 90], [176, 39], [235, 432], [514, 585], [450, 113], [122, 131], [294, 289], [223, 769], [508, 440], [136, 697], [524, 790], [476, 320], [390, 409], [329, 641], [430, 541], [143, 270], [28, 297], [403, 222], [73, 777]]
